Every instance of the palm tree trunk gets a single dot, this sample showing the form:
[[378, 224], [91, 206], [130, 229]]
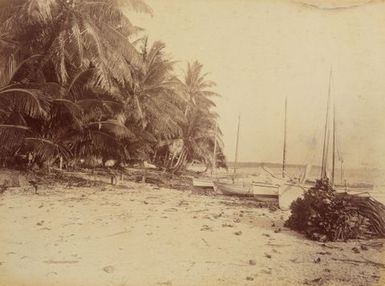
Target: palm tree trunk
[[180, 162]]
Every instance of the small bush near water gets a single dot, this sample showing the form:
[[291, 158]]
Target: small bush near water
[[326, 215]]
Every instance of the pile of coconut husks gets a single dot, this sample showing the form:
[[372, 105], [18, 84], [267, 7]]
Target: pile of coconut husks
[[326, 215]]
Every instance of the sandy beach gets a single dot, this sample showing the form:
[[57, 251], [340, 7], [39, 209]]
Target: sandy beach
[[140, 234]]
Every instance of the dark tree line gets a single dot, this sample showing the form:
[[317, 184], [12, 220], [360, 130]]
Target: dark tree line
[[77, 82]]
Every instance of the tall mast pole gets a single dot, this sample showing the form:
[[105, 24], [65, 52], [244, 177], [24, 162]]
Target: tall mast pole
[[236, 149], [214, 165], [342, 170], [334, 145], [284, 142], [326, 137]]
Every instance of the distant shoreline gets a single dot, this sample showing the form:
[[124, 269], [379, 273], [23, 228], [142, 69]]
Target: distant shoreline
[[279, 165]]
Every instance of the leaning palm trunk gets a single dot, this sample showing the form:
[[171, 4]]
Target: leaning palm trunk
[[180, 162]]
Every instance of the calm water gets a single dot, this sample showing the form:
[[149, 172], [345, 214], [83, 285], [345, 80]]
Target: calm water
[[352, 176]]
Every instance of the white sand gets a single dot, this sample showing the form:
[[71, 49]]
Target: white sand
[[141, 235]]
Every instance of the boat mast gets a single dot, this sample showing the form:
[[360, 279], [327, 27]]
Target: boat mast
[[236, 149], [326, 134], [284, 142], [334, 145], [342, 171], [214, 164]]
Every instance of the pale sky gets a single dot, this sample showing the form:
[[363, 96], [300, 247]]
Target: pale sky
[[260, 51]]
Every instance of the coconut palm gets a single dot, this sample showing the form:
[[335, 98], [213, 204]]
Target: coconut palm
[[155, 104], [73, 85], [200, 131], [71, 35], [46, 48]]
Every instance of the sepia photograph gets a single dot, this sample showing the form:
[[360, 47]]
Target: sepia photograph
[[192, 142]]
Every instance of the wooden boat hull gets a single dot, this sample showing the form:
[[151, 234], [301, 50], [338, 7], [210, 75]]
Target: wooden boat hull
[[288, 193], [203, 183], [260, 192]]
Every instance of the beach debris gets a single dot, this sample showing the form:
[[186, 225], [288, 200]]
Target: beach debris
[[326, 215], [363, 247], [268, 271], [273, 208], [373, 244], [331, 247], [3, 187], [218, 215], [227, 225], [252, 262], [171, 210], [324, 253], [34, 184], [355, 250], [267, 255], [249, 278], [183, 203], [313, 281], [204, 240], [238, 232], [40, 223], [108, 269], [206, 228], [317, 260], [294, 260]]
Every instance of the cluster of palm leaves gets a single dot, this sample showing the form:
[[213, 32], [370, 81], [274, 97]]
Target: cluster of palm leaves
[[76, 84]]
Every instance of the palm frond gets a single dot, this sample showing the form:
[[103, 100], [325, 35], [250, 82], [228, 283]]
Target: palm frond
[[46, 149], [113, 127], [23, 100], [12, 135], [136, 5]]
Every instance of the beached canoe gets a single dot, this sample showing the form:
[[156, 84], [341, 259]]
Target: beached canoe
[[258, 191], [288, 193], [203, 183]]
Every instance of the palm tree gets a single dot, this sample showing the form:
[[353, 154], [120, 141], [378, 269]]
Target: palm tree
[[46, 48], [73, 85], [200, 132], [155, 104]]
